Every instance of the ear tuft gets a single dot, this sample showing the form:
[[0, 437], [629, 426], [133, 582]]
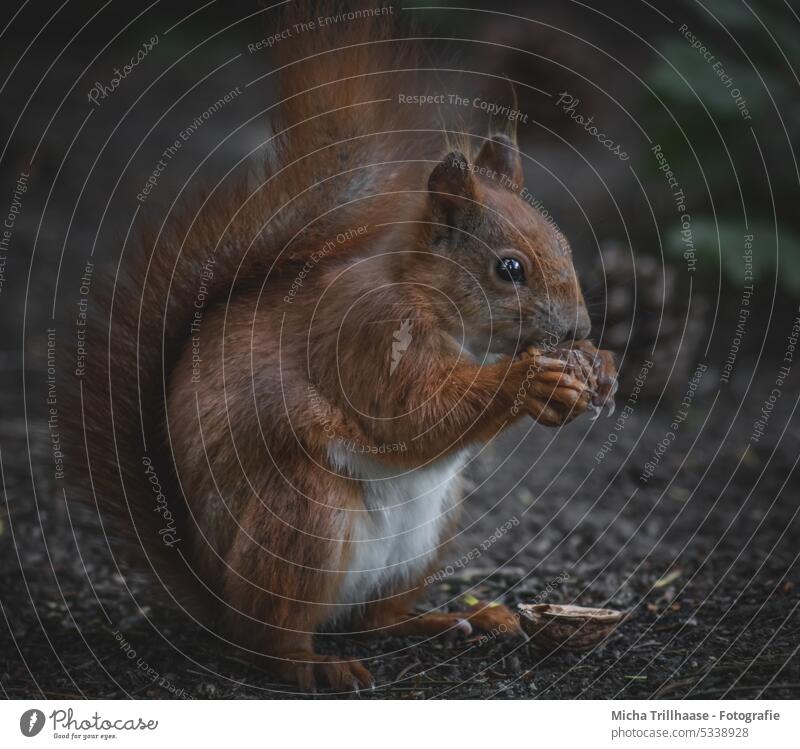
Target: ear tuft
[[500, 154], [449, 184], [452, 176]]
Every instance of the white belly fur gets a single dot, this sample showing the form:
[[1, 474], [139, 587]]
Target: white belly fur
[[395, 540]]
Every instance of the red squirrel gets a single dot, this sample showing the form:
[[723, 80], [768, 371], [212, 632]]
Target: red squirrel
[[284, 383]]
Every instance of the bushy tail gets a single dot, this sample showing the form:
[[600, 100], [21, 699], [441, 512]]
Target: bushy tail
[[344, 125], [339, 137]]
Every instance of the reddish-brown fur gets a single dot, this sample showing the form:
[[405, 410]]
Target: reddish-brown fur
[[289, 369]]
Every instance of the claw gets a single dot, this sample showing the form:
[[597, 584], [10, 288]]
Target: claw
[[464, 626], [549, 361]]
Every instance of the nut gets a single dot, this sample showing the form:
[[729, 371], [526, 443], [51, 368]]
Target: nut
[[553, 626]]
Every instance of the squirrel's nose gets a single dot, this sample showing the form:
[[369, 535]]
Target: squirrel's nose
[[578, 326]]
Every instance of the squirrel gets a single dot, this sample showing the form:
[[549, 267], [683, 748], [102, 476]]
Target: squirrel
[[284, 383]]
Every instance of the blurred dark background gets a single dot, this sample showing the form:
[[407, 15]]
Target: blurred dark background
[[712, 86]]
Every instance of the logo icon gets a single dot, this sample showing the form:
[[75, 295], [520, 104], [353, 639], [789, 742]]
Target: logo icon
[[402, 339], [31, 722]]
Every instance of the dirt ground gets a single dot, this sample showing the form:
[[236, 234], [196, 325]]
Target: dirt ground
[[704, 555]]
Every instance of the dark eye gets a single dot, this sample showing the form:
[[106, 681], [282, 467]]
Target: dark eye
[[510, 269]]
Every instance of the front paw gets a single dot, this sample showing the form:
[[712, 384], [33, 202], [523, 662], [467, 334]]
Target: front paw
[[494, 620], [554, 393]]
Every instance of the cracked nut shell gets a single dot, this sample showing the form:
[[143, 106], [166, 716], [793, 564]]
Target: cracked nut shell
[[553, 626]]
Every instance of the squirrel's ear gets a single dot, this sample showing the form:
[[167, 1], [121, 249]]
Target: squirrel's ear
[[501, 154], [451, 188]]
